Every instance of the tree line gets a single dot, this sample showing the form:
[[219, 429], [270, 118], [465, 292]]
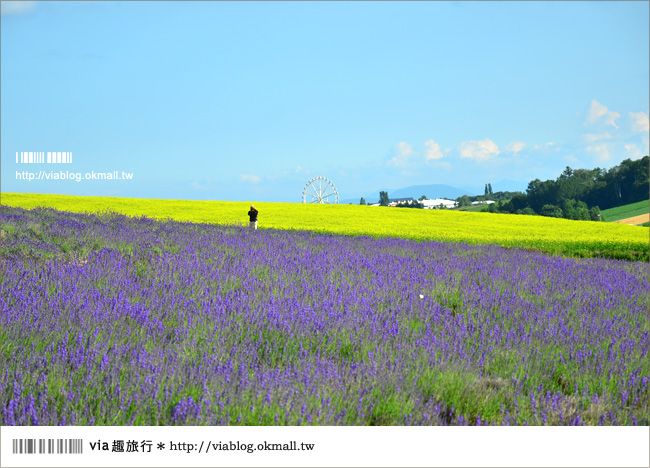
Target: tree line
[[384, 200], [581, 193], [578, 194]]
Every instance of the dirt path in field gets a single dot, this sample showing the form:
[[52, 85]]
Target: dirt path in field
[[644, 218]]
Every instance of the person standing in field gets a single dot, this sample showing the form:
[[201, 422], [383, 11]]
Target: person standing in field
[[252, 214]]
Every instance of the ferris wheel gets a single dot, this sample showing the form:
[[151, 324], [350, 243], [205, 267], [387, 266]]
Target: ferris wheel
[[320, 190]]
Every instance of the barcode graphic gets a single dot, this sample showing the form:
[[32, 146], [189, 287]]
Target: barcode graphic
[[71, 446], [36, 157]]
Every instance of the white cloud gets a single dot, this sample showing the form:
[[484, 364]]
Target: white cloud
[[16, 8], [404, 150], [516, 146], [404, 156], [249, 178], [482, 150], [404, 153], [591, 137], [433, 151], [640, 122], [601, 151], [545, 146], [597, 112]]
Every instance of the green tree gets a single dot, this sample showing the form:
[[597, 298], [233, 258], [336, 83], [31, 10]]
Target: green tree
[[464, 201], [551, 210], [567, 173], [574, 209], [541, 193], [582, 211], [594, 214], [414, 204], [568, 209], [383, 198], [363, 201], [423, 197], [518, 202], [526, 211]]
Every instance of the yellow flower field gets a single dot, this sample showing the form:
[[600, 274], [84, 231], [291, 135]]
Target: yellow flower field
[[552, 235]]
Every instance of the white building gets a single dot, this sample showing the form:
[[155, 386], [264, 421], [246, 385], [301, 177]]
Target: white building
[[486, 202], [434, 204]]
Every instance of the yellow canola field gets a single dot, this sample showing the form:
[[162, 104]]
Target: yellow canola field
[[534, 232]]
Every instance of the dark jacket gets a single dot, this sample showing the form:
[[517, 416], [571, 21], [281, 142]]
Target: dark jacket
[[253, 215]]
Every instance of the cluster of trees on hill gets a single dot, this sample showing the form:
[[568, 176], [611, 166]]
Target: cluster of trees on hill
[[466, 200], [384, 200], [581, 193], [575, 194], [413, 204]]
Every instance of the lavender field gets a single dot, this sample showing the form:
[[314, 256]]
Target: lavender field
[[109, 320]]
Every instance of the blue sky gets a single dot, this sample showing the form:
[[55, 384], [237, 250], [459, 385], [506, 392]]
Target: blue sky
[[249, 100]]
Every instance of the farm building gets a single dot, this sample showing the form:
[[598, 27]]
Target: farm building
[[485, 202], [396, 201], [434, 204]]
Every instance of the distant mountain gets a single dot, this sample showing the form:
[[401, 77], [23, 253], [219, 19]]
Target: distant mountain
[[431, 192], [414, 191]]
